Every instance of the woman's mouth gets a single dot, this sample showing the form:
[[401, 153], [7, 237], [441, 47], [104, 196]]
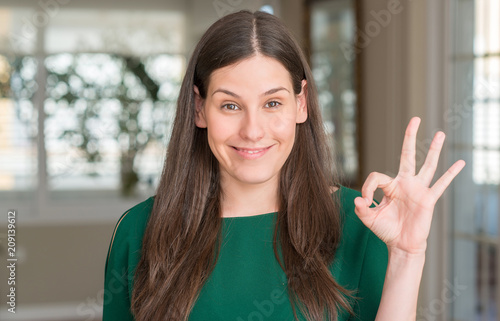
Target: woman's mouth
[[251, 153]]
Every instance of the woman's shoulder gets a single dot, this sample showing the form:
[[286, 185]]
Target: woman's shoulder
[[361, 258], [130, 226], [137, 215], [123, 254], [360, 250]]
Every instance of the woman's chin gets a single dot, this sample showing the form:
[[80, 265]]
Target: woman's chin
[[255, 178]]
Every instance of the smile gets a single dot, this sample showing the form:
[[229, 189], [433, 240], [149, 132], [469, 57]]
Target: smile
[[251, 153]]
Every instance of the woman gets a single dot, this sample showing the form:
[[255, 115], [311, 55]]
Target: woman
[[248, 222]]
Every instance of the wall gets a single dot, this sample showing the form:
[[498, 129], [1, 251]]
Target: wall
[[60, 272], [405, 75]]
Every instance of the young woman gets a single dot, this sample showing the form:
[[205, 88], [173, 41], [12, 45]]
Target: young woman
[[248, 222]]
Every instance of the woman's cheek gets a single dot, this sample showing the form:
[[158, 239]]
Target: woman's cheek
[[283, 124], [220, 126]]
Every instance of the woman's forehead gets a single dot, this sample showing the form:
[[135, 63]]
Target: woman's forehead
[[256, 72]]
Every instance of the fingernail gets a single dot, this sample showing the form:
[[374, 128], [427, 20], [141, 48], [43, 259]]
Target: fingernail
[[368, 201]]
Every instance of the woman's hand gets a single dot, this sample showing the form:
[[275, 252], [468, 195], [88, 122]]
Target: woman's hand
[[403, 218]]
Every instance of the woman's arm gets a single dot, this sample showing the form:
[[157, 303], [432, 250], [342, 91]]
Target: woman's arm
[[400, 292], [403, 220]]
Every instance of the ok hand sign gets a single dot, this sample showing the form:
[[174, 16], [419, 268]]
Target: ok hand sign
[[403, 218]]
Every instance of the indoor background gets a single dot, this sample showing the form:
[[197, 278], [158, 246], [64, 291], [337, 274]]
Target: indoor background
[[87, 96]]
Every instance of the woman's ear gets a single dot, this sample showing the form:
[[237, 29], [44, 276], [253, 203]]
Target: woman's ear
[[302, 103], [199, 102]]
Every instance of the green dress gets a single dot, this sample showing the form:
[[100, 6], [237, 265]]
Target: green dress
[[247, 282]]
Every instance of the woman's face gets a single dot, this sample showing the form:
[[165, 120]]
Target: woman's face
[[250, 112]]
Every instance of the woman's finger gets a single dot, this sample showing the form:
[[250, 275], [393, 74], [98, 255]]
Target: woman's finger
[[442, 183], [407, 164], [427, 171], [364, 212], [374, 181]]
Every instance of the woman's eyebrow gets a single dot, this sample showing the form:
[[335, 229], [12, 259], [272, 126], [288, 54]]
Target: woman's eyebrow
[[225, 91], [230, 93], [274, 90]]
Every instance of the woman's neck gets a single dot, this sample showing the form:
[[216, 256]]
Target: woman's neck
[[239, 199]]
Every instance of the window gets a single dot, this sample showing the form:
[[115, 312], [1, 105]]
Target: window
[[87, 97], [18, 124], [475, 118]]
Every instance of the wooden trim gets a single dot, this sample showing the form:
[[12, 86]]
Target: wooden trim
[[358, 78], [307, 43]]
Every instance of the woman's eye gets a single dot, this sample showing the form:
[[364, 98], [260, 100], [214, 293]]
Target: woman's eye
[[272, 104], [230, 107]]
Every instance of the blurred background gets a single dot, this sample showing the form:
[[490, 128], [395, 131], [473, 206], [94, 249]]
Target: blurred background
[[87, 98]]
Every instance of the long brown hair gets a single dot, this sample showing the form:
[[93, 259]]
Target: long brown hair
[[182, 239]]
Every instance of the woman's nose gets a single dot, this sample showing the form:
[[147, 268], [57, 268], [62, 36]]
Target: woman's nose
[[252, 126]]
